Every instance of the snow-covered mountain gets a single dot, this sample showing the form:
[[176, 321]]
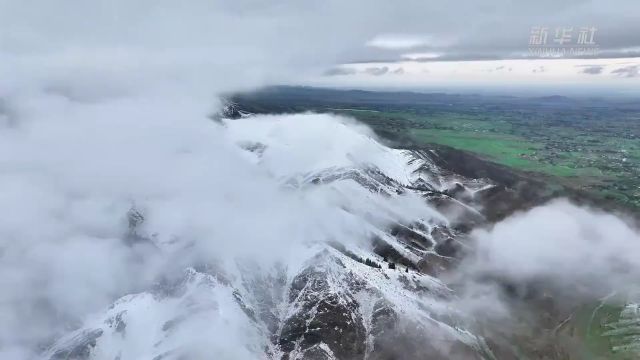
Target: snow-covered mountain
[[371, 292], [285, 237]]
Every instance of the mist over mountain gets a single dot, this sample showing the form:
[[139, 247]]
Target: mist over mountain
[[143, 217]]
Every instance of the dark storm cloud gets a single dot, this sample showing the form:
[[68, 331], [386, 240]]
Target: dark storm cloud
[[592, 69], [627, 71], [339, 71], [377, 71]]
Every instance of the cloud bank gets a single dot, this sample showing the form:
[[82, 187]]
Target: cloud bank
[[106, 197], [103, 115], [571, 248]]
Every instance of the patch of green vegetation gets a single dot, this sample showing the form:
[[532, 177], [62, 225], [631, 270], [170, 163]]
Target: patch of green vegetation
[[460, 122], [504, 149], [589, 324]]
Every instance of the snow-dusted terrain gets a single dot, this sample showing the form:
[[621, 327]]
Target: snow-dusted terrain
[[177, 236], [355, 281]]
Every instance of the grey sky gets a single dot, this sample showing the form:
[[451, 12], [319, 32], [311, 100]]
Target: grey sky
[[122, 44], [502, 29], [104, 104]]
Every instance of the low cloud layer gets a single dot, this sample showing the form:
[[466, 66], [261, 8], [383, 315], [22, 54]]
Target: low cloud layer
[[627, 71], [571, 247], [377, 71], [106, 196], [340, 71], [592, 69], [103, 115]]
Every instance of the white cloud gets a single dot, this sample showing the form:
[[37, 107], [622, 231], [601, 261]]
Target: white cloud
[[570, 247], [70, 172], [421, 56], [104, 107], [408, 41]]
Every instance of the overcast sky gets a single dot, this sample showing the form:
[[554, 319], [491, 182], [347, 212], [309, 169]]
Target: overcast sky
[[104, 105], [231, 44]]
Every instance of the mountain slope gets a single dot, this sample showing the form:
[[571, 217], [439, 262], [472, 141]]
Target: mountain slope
[[372, 296]]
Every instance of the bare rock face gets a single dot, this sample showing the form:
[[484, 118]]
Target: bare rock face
[[365, 175], [395, 338], [230, 110], [434, 264], [326, 316]]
